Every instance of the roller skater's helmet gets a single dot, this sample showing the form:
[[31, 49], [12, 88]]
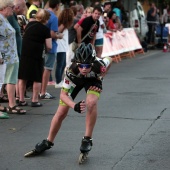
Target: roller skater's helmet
[[85, 54]]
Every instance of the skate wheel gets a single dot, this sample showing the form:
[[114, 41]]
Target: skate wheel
[[31, 153], [85, 156], [82, 157]]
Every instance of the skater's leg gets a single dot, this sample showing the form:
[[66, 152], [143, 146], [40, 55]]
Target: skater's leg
[[91, 116], [57, 121], [55, 126]]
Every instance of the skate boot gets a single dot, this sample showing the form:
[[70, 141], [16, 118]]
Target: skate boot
[[40, 148], [86, 145]]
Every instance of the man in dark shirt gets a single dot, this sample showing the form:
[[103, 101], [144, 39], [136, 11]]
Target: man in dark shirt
[[86, 32], [151, 20]]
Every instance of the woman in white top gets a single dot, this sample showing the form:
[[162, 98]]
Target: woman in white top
[[65, 20], [99, 38]]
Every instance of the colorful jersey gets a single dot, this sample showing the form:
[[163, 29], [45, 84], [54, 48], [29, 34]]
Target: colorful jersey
[[73, 79]]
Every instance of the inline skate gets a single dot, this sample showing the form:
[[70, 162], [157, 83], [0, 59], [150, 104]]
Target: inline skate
[[86, 145], [40, 148]]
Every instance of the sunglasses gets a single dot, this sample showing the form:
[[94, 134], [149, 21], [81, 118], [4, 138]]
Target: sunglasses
[[84, 65]]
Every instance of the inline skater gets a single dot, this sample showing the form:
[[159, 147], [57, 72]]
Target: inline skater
[[86, 71]]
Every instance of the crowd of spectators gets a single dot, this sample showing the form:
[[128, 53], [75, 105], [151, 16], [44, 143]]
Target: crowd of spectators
[[29, 29]]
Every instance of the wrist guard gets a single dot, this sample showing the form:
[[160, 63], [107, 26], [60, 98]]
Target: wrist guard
[[77, 107], [98, 84]]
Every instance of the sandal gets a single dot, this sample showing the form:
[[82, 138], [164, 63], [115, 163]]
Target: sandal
[[22, 103], [36, 104], [3, 110], [4, 115], [4, 99], [16, 110], [17, 100]]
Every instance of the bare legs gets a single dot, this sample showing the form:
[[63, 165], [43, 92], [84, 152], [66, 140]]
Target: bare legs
[[45, 80], [91, 116], [36, 90], [99, 50], [11, 94], [22, 88], [57, 121]]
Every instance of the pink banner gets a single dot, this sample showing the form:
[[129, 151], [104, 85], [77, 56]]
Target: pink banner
[[119, 42]]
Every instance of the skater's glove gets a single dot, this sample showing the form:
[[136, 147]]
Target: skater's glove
[[77, 107], [98, 84]]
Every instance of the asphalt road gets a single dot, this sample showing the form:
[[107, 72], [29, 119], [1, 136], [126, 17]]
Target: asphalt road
[[132, 131]]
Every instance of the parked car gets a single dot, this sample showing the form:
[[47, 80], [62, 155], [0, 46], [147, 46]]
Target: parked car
[[137, 20]]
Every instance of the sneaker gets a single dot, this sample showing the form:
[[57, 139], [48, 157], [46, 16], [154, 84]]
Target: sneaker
[[59, 85], [46, 96], [51, 83]]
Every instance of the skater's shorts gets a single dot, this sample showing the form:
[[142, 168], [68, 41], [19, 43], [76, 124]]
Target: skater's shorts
[[86, 85], [50, 61], [11, 73], [99, 42], [88, 92]]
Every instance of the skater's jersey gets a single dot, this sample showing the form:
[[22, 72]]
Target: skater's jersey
[[74, 79]]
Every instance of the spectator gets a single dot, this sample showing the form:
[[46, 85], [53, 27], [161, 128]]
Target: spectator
[[80, 10], [166, 13], [86, 32], [3, 113], [71, 37], [107, 7], [33, 10], [51, 55], [151, 20], [31, 66], [99, 37], [114, 23], [87, 12], [65, 22], [118, 11], [19, 8], [8, 50]]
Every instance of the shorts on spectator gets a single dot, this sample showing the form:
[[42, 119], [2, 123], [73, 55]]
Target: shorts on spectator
[[11, 74], [99, 42], [50, 61]]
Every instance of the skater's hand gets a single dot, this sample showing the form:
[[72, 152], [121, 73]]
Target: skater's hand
[[80, 107], [94, 88], [97, 86]]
